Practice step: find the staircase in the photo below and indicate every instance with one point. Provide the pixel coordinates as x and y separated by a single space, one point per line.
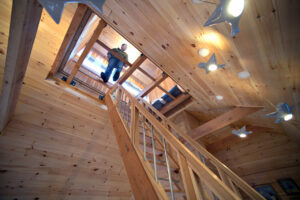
177 166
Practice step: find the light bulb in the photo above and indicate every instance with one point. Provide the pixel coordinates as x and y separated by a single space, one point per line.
235 7
212 67
288 117
243 135
219 97
203 52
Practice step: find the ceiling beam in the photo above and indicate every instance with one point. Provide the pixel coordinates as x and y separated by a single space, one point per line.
153 85
74 31
233 139
169 106
153 79
134 66
179 108
222 121
25 18
87 49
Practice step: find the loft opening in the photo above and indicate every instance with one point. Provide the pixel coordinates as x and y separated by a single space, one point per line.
83 56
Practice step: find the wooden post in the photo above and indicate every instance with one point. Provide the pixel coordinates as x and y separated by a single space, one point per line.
186 177
197 185
76 27
134 66
87 49
153 85
134 126
25 19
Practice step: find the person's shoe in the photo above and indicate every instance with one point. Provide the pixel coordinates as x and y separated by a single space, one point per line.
116 76
104 78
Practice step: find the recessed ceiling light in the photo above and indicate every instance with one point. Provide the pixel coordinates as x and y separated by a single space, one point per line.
236 7
203 52
219 97
244 74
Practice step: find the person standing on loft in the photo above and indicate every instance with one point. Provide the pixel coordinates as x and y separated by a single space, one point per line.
114 62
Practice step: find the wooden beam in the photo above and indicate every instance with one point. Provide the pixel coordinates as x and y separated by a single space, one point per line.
222 121
25 19
186 177
179 108
153 79
231 139
113 53
154 84
140 184
169 106
76 27
134 66
87 49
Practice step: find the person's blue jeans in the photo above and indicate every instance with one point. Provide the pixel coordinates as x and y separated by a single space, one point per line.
113 63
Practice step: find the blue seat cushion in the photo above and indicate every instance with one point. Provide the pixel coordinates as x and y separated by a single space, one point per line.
175 91
157 104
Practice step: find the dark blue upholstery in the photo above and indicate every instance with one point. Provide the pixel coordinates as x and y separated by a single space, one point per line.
157 104
175 91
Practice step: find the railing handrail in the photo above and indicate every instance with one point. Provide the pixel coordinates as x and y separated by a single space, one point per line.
235 178
211 180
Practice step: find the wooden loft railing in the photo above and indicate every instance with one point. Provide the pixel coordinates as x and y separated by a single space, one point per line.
202 175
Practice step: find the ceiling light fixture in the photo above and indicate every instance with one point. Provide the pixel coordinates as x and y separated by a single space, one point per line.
229 11
55 7
242 132
283 113
244 74
235 7
288 117
219 97
211 65
203 52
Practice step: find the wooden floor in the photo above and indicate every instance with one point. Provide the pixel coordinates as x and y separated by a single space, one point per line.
60 145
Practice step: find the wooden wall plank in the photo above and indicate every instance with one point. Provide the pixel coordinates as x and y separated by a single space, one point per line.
25 19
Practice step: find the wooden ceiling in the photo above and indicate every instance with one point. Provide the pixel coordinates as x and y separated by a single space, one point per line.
171 32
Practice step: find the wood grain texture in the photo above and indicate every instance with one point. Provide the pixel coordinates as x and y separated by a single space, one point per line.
87 49
222 121
25 17
140 183
59 144
81 16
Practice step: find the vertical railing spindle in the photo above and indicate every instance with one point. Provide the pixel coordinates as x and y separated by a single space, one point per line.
144 138
153 150
168 169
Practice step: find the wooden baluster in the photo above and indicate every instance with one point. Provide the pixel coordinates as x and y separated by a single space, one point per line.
234 188
197 185
186 177
223 176
134 125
